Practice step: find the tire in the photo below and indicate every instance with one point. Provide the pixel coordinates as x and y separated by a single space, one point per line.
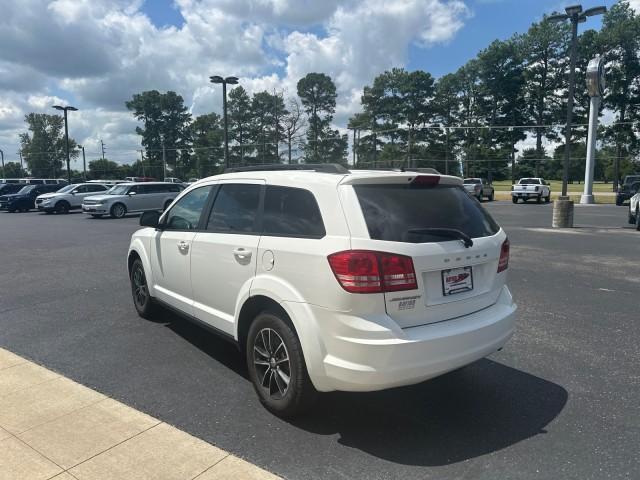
638 219
63 207
11 210
514 199
118 210
96 215
547 199
143 302
479 197
492 196
273 353
539 199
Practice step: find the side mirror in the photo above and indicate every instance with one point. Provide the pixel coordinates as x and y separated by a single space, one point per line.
150 218
131 193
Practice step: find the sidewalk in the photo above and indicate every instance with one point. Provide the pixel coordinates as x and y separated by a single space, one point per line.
54 428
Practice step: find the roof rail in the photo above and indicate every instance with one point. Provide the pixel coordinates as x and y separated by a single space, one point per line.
317 167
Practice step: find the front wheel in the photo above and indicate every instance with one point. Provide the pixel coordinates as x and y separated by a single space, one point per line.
539 199
118 211
140 290
276 366
62 207
492 196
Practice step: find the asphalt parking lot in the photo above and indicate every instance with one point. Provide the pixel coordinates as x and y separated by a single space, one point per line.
562 400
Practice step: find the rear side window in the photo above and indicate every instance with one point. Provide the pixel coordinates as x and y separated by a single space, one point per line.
235 209
392 211
291 212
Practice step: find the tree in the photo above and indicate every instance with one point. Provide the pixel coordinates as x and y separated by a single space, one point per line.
446 107
318 95
12 170
165 120
545 58
239 117
99 168
208 136
292 123
43 146
266 129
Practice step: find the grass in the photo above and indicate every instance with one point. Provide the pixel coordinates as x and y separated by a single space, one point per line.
556 186
506 195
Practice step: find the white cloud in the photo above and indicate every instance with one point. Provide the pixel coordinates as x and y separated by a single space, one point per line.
635 4
97 53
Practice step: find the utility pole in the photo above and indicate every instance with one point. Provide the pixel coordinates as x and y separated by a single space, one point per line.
21 169
142 161
102 145
164 161
2 154
275 126
595 85
224 82
66 135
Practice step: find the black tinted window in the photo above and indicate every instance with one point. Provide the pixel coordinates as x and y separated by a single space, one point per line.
391 211
185 214
235 209
96 188
291 212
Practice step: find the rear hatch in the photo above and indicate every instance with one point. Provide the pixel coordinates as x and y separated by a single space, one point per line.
453 242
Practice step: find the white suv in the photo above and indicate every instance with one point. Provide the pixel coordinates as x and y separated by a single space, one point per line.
68 198
353 281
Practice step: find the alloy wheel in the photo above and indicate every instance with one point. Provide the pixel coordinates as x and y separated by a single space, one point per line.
272 364
140 291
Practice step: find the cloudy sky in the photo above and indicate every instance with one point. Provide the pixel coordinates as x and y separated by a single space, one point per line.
94 54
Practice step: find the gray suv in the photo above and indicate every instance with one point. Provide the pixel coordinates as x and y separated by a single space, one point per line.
132 198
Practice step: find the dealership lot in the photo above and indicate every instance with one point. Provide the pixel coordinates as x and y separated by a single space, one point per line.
561 400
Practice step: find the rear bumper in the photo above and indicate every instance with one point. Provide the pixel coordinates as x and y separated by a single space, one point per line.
363 354
526 194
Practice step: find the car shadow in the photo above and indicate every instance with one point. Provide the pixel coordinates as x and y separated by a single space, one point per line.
474 411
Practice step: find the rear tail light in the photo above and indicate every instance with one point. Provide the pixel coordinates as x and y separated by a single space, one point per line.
503 263
365 271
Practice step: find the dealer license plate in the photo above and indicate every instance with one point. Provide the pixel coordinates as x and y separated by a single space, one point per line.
457 280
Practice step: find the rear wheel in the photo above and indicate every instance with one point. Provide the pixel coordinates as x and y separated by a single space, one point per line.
539 199
118 210
277 367
514 199
140 290
492 196
638 219
547 199
62 207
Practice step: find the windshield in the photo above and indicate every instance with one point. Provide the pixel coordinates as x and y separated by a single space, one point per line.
66 189
469 181
530 181
26 189
631 179
119 190
406 213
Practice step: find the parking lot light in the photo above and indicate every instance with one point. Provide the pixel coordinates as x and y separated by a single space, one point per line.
224 82
66 134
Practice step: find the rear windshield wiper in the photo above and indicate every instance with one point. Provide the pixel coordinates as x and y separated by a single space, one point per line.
445 232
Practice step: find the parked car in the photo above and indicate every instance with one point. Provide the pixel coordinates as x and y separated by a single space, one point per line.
531 188
68 198
24 199
624 192
634 206
479 188
132 198
8 188
140 179
173 180
353 281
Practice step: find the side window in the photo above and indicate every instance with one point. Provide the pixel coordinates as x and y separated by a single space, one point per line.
235 209
81 189
141 189
185 214
96 188
291 212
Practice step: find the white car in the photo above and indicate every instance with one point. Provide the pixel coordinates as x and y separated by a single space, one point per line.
353 281
68 198
132 198
531 188
634 208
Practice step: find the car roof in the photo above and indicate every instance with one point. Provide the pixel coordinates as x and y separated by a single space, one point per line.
297 178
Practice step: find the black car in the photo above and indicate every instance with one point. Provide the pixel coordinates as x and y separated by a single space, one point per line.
625 191
24 199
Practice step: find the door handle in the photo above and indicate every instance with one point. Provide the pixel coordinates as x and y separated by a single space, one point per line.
242 254
183 246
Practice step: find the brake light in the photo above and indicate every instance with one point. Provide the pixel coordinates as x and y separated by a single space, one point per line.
365 271
427 180
503 263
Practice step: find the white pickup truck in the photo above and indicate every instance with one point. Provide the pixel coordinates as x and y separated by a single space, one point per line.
528 188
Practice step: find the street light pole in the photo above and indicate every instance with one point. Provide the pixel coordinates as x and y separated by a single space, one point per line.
2 154
66 135
575 15
224 82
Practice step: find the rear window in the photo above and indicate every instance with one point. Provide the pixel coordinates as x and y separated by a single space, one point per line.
530 181
392 211
470 181
292 212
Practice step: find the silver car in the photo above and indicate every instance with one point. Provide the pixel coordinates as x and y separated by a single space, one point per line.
132 198
479 188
